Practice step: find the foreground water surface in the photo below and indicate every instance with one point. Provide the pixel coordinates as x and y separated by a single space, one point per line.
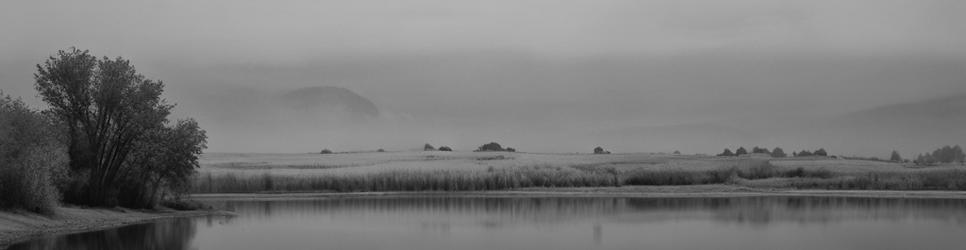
441 222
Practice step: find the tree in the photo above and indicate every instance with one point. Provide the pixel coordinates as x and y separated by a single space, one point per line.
325 151
109 110
820 152
895 156
428 147
509 149
727 152
445 148
676 152
166 163
778 153
757 150
804 153
741 151
600 150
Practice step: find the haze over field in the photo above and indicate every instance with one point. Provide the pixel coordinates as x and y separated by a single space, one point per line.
855 77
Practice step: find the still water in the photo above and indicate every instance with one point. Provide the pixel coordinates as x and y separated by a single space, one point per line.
440 222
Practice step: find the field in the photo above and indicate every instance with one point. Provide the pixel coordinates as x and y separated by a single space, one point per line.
480 171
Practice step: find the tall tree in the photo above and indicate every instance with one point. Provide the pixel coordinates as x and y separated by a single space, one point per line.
108 107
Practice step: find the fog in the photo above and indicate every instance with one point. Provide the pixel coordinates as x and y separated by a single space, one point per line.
540 76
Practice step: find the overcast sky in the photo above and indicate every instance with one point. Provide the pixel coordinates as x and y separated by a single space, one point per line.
514 65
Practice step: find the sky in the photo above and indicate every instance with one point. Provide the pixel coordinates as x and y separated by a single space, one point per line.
546 75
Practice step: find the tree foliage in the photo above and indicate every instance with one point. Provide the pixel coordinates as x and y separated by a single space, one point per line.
895 156
778 153
112 113
727 152
741 151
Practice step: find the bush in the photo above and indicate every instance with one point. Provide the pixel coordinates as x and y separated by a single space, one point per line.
33 159
445 148
325 151
493 146
600 151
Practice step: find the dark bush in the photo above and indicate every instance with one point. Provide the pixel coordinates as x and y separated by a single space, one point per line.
325 151
727 152
445 148
428 147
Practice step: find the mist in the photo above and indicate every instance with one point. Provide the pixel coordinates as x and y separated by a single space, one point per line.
541 76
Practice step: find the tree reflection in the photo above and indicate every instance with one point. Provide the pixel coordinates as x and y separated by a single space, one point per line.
169 234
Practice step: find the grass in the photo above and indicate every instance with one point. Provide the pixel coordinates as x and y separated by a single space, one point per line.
463 171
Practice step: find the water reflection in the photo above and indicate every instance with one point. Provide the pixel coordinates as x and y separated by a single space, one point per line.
442 222
166 234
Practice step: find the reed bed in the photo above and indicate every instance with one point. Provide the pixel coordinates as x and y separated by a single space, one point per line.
435 176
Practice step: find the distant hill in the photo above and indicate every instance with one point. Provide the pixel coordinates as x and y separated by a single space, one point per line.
314 99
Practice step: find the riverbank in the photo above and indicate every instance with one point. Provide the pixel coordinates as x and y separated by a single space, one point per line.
625 191
21 226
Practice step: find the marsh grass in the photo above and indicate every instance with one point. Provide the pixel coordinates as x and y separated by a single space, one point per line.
749 172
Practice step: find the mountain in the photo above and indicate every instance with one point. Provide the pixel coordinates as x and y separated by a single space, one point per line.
315 99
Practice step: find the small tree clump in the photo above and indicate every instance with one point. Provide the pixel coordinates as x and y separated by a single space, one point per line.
600 151
741 151
778 153
428 147
509 149
895 156
820 152
325 151
493 146
727 152
445 148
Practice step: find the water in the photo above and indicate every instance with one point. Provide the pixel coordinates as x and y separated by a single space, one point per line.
549 223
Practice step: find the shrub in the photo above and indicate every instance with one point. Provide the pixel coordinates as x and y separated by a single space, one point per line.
428 147
778 153
325 151
33 158
509 149
727 152
445 148
380 150
741 151
493 146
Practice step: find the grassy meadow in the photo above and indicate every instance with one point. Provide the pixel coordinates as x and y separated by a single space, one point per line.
481 171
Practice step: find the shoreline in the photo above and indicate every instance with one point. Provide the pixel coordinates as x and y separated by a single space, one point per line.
19 226
694 191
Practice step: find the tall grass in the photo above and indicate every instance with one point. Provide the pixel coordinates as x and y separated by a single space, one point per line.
746 172
407 180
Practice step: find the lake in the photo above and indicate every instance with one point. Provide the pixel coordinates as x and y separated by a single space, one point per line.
453 222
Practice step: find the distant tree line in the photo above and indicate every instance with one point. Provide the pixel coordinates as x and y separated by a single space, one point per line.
945 154
777 152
